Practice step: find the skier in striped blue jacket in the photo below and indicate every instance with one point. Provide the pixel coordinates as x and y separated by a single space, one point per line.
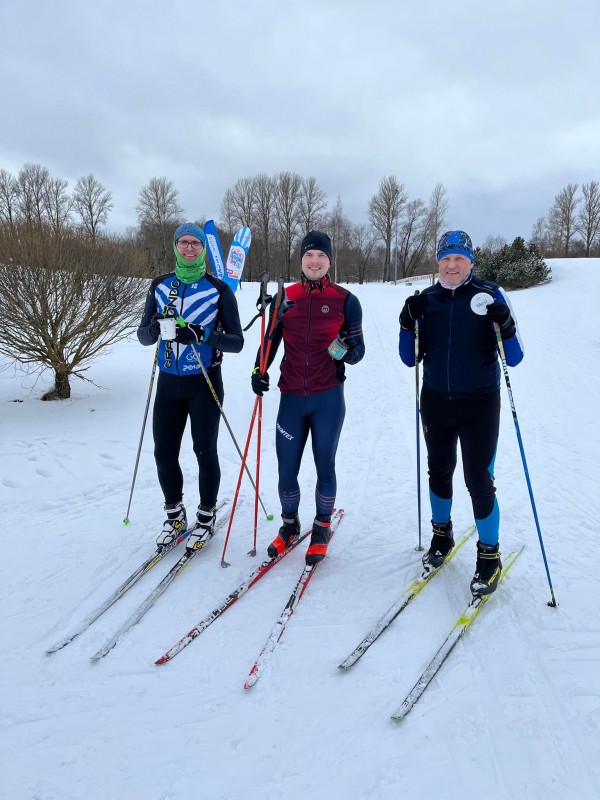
208 325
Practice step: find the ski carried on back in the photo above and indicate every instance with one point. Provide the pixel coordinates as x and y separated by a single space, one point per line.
175 570
241 590
295 597
145 567
460 627
398 607
231 270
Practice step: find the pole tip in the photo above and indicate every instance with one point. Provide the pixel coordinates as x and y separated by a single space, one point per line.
126 521
270 517
224 563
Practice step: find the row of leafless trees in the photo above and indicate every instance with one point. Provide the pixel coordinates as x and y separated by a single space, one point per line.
280 209
571 227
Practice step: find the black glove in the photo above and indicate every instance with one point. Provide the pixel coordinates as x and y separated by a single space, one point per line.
154 326
191 334
414 307
500 313
260 383
351 356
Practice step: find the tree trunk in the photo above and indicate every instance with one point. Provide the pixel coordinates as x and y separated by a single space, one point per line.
61 389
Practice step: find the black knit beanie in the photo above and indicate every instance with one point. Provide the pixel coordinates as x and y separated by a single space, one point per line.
315 240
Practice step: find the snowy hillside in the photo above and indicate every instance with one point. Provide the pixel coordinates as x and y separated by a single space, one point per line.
513 715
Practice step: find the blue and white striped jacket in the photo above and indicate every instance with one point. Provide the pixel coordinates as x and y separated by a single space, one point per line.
208 302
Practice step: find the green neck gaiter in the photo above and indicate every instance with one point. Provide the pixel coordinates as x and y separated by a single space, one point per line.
190 271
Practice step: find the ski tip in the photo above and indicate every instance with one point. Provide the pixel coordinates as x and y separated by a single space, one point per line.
99 655
161 660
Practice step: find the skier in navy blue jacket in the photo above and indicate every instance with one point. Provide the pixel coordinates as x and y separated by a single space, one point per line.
460 398
208 325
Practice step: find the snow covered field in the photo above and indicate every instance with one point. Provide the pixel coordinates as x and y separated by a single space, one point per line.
515 712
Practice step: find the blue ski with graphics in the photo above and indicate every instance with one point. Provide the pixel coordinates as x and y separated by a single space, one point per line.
231 270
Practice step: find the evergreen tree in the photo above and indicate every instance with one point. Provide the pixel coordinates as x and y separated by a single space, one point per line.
514 266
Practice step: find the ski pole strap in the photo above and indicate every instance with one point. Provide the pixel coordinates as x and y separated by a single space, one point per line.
263 299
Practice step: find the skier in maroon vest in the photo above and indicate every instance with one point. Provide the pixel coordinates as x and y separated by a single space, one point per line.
321 332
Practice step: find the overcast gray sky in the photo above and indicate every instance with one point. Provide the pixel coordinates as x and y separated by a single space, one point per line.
498 101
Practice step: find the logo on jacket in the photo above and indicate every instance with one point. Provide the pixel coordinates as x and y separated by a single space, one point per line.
480 302
325 309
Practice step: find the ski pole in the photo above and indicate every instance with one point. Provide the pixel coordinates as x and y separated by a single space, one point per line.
418 430
239 483
282 304
261 305
552 603
217 401
137 460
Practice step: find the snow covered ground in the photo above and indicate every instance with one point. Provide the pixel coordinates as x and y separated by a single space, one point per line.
514 713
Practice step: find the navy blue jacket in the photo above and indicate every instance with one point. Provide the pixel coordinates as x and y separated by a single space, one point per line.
457 346
208 302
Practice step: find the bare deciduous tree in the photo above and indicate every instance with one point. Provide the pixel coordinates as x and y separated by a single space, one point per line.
9 195
384 209
237 207
93 203
32 182
414 237
60 316
363 240
493 243
57 204
287 211
313 206
561 219
158 211
438 207
339 229
539 234
588 221
264 212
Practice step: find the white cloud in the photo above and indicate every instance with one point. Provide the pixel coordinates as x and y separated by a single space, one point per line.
494 102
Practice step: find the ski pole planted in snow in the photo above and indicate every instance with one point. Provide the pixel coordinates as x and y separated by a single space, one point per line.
418 429
226 421
552 603
137 460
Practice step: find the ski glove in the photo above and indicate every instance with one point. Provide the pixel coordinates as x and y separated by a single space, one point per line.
154 326
353 355
260 383
191 334
500 313
414 307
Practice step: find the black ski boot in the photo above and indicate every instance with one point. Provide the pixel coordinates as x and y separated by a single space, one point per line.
321 533
487 570
174 525
204 527
288 533
442 543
